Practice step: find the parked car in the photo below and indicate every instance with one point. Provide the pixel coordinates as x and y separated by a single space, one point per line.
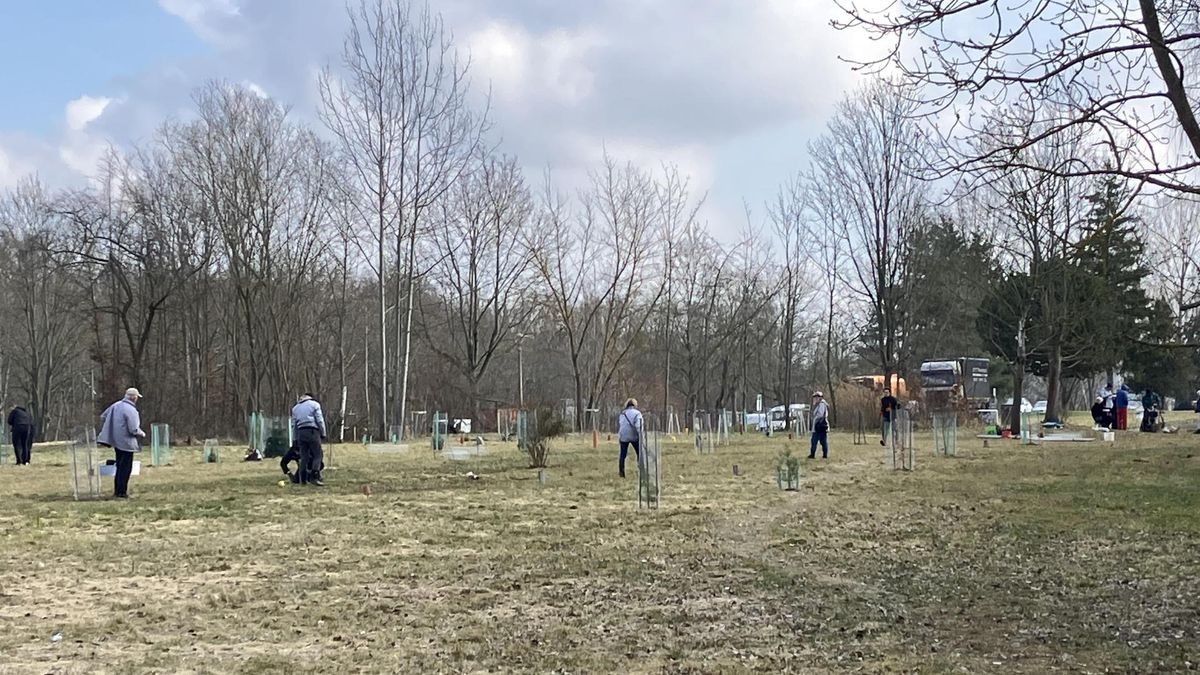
1026 406
1039 407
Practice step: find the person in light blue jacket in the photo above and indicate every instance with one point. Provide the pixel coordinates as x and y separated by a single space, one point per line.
309 424
120 429
629 432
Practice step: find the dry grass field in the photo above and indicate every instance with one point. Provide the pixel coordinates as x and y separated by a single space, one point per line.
1081 557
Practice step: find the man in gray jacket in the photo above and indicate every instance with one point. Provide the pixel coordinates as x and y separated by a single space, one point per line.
309 425
820 426
120 429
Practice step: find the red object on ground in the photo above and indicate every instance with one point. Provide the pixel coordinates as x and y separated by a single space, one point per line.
1006 433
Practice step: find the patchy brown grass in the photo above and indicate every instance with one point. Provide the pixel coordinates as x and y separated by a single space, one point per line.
1073 557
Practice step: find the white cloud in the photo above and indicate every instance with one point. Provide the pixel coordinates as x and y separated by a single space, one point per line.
500 52
207 18
22 156
700 84
81 148
84 110
518 64
671 81
83 154
255 89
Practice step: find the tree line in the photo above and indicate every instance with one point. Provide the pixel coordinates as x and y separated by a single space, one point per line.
394 259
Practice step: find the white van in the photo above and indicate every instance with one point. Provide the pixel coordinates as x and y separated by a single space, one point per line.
775 417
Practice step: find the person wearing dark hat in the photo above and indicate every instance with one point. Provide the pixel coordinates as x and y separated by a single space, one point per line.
120 429
20 424
629 432
820 426
309 424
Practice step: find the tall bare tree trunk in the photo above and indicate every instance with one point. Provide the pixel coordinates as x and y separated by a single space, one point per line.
831 393
1054 397
408 323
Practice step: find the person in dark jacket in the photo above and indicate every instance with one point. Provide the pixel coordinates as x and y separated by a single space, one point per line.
294 455
20 424
888 405
1101 415
1150 403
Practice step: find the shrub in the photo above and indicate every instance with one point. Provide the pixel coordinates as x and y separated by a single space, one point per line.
787 470
548 425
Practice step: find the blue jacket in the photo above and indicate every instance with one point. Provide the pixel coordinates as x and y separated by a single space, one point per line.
307 415
629 425
120 426
1122 398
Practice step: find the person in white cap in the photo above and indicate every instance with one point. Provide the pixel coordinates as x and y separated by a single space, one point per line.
820 426
120 429
309 423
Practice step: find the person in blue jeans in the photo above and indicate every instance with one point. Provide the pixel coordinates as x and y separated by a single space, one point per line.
820 426
629 432
120 429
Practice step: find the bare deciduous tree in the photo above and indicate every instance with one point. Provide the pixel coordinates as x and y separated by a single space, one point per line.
481 274
1112 71
867 193
600 269
405 124
42 337
1175 240
266 185
788 216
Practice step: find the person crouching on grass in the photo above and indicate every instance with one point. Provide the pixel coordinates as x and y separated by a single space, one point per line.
629 432
294 455
820 426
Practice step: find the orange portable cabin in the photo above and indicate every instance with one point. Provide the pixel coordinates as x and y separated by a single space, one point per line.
875 383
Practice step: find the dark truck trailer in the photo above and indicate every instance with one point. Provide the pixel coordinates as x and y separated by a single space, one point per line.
963 379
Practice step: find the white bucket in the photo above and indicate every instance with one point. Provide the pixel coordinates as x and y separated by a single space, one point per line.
110 470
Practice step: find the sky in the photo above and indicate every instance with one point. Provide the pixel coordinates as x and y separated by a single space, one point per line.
730 91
